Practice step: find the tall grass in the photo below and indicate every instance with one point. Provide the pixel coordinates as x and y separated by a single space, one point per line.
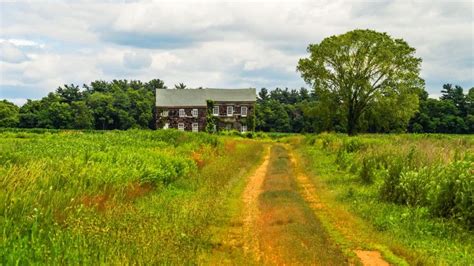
418 187
436 172
113 197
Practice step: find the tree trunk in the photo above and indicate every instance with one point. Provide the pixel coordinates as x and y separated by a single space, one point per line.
351 121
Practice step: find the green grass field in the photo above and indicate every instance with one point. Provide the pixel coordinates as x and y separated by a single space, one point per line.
415 190
165 197
114 197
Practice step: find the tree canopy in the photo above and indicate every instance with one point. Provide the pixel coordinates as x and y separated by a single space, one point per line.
452 113
363 71
127 104
9 116
180 86
119 104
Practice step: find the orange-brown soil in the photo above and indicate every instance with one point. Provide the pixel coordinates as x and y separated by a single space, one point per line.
371 258
278 224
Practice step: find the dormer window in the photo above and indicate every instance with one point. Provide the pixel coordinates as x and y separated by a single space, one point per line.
195 112
243 111
230 110
182 113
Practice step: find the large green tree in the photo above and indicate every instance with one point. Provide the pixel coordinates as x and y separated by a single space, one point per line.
363 69
9 114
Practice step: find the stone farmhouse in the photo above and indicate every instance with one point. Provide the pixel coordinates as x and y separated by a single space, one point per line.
206 109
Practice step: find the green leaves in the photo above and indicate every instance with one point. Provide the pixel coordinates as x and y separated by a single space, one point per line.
8 114
120 104
211 123
359 69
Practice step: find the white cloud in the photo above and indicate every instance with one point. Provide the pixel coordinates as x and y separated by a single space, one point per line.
22 42
137 60
17 101
216 43
10 53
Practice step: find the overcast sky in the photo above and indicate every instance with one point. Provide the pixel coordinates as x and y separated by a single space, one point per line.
233 44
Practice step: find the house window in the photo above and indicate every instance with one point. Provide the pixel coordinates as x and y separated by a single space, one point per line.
243 129
215 110
195 127
166 126
194 112
182 113
243 111
230 110
164 113
181 126
228 126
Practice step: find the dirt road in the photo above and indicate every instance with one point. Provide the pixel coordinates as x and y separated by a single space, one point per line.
277 224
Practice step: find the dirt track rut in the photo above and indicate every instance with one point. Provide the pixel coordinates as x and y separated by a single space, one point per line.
278 224
278 221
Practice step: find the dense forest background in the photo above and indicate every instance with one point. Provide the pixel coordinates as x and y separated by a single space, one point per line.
123 104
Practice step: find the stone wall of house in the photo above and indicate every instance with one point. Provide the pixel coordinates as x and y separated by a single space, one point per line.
236 120
224 122
173 118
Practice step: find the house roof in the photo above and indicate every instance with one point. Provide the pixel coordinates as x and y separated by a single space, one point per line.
199 97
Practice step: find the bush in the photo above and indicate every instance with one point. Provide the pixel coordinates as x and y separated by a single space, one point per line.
452 194
367 171
343 159
389 190
447 190
413 187
352 145
167 170
330 142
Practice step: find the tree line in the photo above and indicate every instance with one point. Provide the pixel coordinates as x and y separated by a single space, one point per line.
302 111
452 113
123 104
119 104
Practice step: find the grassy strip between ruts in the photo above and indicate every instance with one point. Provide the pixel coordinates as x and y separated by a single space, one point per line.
290 232
72 197
355 211
285 228
227 239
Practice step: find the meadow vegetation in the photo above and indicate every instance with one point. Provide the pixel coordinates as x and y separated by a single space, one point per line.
141 196
416 189
114 197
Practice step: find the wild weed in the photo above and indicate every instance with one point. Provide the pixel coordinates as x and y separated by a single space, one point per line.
114 197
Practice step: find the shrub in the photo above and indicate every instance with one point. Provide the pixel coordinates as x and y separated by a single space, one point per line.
389 190
367 171
327 141
343 159
310 140
167 169
453 193
261 135
413 187
352 145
